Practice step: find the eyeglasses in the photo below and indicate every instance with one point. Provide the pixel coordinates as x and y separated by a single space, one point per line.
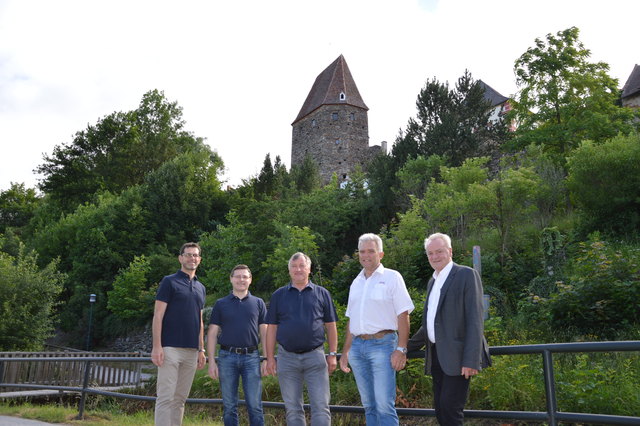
193 255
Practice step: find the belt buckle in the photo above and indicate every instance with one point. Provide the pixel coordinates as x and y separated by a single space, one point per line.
241 351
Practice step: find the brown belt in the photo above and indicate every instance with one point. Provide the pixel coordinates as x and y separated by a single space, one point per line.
377 335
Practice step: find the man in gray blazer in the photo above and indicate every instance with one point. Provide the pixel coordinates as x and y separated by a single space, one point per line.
452 329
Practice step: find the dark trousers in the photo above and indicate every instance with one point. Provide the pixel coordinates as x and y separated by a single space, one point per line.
449 392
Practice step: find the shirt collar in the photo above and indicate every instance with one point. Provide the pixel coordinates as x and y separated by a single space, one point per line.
184 275
309 285
379 270
444 271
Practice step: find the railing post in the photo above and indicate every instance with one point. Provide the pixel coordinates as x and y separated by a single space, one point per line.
85 385
549 386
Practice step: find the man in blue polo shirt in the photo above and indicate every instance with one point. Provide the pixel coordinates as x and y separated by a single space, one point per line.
178 336
238 324
298 316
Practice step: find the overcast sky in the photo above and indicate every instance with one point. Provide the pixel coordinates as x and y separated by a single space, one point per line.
241 70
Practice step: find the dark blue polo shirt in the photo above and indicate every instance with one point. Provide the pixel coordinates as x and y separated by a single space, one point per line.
300 316
185 301
239 320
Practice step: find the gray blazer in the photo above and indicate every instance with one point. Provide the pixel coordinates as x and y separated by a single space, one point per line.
459 324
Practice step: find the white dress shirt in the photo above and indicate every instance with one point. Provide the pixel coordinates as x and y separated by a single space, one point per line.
375 302
434 298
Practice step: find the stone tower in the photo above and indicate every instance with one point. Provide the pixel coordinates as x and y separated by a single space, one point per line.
332 125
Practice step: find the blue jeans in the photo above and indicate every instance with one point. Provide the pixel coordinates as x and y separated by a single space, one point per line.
231 367
370 361
294 370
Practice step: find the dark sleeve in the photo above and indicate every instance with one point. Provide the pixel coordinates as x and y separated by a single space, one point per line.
474 321
272 312
165 291
216 316
262 311
418 340
330 314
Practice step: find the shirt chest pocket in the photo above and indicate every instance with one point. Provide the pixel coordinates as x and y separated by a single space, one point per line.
379 291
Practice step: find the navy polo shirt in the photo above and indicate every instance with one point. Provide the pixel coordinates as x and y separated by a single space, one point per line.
239 320
185 300
300 316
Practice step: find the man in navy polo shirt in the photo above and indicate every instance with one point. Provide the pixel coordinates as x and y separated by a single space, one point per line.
298 315
238 324
178 336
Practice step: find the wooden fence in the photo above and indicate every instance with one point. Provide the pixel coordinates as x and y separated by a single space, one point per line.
70 373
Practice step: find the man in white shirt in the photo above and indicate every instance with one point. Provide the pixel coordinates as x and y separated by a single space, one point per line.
452 329
377 332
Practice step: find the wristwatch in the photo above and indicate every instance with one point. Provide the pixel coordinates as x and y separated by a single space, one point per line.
333 353
401 349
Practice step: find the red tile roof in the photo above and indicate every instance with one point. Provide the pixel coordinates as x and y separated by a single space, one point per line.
329 84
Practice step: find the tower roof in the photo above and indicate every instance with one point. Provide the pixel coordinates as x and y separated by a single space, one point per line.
491 95
333 86
632 86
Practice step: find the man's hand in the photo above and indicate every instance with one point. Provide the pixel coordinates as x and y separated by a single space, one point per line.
398 360
468 372
332 363
202 360
272 368
263 368
157 356
213 370
344 362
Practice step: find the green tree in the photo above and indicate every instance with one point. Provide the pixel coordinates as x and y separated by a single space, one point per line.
17 205
454 123
132 297
28 295
287 241
563 98
604 182
117 152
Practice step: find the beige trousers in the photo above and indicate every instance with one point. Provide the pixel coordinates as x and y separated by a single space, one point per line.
175 377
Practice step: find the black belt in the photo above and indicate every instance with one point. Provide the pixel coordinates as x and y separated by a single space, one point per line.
241 351
304 351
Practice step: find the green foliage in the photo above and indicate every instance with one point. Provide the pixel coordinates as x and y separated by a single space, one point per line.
17 205
223 249
453 123
28 295
601 297
117 152
287 241
564 98
605 183
132 297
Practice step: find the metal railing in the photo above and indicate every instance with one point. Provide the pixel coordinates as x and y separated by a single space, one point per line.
551 416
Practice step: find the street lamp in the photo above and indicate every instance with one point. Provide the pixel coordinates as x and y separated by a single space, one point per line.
92 300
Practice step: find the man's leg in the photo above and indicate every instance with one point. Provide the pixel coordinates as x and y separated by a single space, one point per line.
229 372
384 378
361 367
252 385
450 394
188 362
166 387
316 377
290 378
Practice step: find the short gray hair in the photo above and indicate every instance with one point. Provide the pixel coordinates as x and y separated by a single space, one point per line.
299 255
437 235
370 237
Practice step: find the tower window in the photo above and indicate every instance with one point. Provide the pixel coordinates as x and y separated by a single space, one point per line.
337 141
352 116
342 96
313 123
334 116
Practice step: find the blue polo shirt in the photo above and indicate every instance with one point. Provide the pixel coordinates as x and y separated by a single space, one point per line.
239 320
185 300
300 316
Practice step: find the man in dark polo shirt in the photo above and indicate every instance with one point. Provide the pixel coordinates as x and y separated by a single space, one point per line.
178 336
298 315
238 324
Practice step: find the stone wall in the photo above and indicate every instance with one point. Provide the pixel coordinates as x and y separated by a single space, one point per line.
336 137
